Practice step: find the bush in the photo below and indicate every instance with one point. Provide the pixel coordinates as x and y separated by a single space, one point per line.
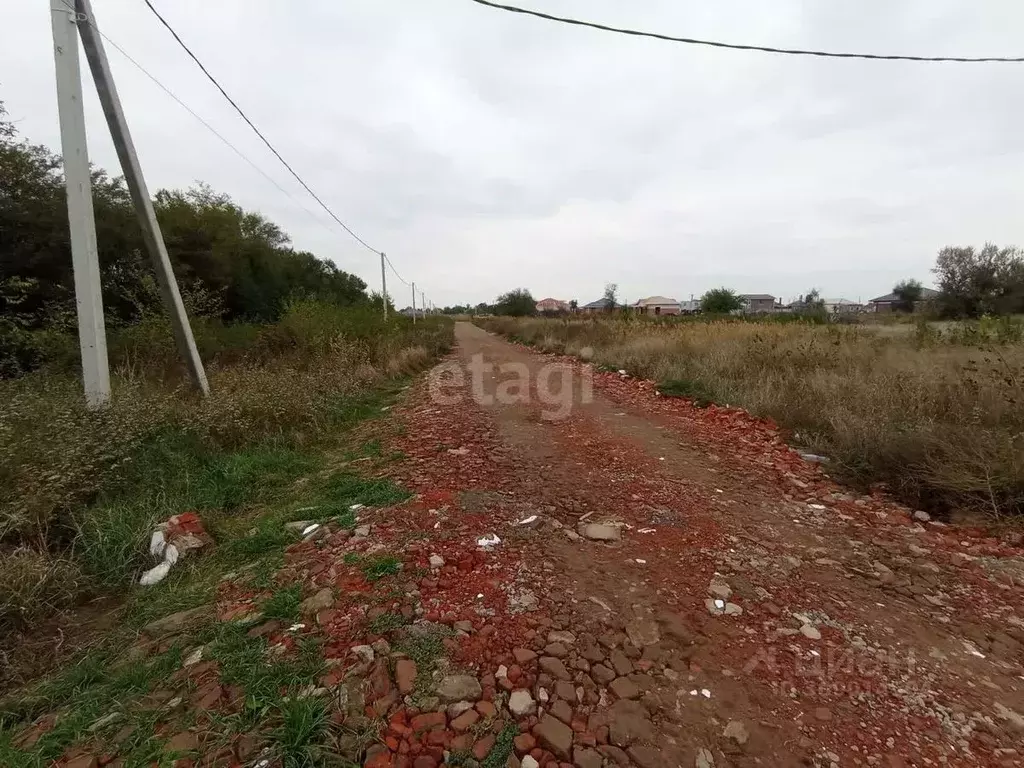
19 350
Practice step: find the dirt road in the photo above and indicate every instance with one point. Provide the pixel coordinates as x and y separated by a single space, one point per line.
586 575
746 610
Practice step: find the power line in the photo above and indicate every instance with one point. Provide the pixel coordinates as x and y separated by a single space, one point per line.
82 18
740 47
245 117
198 117
395 271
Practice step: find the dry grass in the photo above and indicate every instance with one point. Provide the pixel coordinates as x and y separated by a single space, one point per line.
935 414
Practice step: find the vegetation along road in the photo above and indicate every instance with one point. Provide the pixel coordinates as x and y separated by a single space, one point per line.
579 573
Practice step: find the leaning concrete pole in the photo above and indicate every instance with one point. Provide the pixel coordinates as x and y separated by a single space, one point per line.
111 103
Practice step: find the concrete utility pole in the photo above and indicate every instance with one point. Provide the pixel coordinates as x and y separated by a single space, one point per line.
414 303
423 303
384 285
132 170
92 337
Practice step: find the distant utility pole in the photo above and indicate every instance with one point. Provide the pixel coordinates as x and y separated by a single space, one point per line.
414 303
92 337
132 169
423 301
384 284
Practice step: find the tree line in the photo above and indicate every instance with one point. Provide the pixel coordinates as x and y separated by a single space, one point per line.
971 283
231 264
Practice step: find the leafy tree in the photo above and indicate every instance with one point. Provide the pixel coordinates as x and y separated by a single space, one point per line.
973 282
517 303
720 301
812 302
574 305
812 306
229 262
908 293
610 293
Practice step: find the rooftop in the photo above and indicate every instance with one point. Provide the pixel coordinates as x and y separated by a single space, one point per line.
926 293
651 301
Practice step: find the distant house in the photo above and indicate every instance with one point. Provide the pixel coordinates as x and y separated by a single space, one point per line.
657 305
689 306
758 303
601 305
842 306
552 305
891 302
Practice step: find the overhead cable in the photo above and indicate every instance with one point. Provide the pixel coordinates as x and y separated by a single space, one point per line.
746 47
395 270
131 60
252 125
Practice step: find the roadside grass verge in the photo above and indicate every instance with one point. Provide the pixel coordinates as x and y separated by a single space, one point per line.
99 700
252 494
934 412
80 489
95 688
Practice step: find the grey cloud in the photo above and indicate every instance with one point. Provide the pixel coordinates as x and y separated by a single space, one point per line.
484 151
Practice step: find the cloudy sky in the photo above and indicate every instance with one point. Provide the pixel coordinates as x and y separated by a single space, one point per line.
483 150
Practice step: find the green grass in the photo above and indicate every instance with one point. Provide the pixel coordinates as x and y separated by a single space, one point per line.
267 680
94 688
176 476
345 410
263 572
386 622
301 733
261 472
283 604
502 749
345 489
425 648
253 549
697 391
380 566
267 536
368 450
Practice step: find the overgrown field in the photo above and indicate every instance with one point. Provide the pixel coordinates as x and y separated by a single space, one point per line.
80 491
937 415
